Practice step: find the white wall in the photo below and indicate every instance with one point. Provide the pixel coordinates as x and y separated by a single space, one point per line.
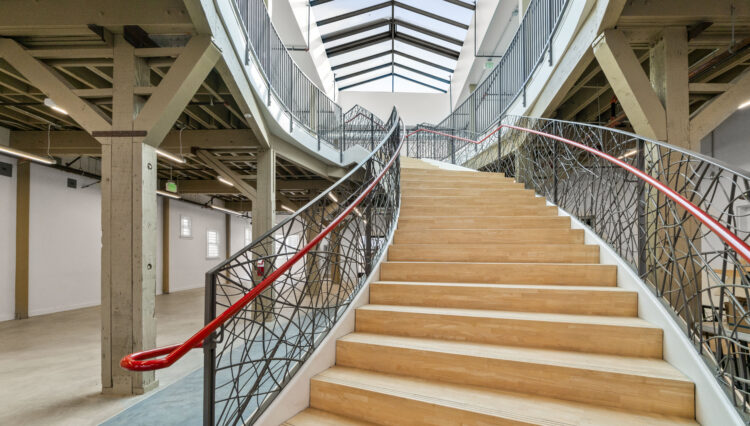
8 241
64 242
730 142
414 108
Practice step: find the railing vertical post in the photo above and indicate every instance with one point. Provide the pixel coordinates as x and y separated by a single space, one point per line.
641 209
343 138
523 59
453 149
209 355
317 114
499 149
368 225
550 26
372 132
554 174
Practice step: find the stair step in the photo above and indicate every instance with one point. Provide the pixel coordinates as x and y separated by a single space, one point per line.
640 384
391 399
500 273
489 236
576 300
313 417
483 222
466 191
519 198
526 253
451 173
582 333
427 183
456 210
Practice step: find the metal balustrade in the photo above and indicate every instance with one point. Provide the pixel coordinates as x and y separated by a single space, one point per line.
261 346
700 271
304 102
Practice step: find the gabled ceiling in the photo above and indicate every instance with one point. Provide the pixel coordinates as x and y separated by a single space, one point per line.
393 45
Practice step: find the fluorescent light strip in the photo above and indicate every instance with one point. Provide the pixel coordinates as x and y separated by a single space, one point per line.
744 105
224 181
356 210
289 209
333 197
168 194
628 154
222 209
26 155
170 156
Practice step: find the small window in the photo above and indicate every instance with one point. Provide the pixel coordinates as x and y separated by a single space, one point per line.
248 235
212 245
186 227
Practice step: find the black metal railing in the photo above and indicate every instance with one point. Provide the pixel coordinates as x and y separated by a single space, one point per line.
305 103
702 279
261 347
508 79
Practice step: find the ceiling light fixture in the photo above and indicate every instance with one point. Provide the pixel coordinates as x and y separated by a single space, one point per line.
628 154
174 158
168 194
333 197
225 210
50 103
224 181
26 155
744 105
289 209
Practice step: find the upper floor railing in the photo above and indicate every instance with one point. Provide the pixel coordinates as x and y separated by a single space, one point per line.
679 219
508 79
305 103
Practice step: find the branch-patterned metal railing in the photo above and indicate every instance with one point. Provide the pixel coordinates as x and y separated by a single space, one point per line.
702 277
259 349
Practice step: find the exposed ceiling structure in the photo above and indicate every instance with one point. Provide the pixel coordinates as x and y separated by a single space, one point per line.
412 41
211 137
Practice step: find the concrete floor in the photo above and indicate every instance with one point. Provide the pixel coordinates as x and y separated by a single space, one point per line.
50 364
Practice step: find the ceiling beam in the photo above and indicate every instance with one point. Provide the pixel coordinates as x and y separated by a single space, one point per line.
358 44
366 81
354 13
79 142
419 82
430 15
365 71
360 60
350 31
426 74
462 4
423 61
429 32
426 45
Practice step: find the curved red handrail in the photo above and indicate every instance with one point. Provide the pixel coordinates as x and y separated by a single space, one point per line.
142 361
737 244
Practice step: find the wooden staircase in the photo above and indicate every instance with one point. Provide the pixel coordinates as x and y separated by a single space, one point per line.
491 310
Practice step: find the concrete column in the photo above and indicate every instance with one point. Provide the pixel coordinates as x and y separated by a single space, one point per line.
128 233
669 77
264 208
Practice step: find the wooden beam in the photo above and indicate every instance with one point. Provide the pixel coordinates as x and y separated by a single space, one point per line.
227 173
668 68
78 142
23 180
165 246
712 113
177 88
54 86
631 84
709 88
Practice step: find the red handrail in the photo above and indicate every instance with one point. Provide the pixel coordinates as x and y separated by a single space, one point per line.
737 244
142 361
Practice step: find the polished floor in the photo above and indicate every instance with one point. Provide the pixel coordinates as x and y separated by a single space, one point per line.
50 368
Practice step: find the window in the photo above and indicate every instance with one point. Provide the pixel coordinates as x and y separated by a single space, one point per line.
248 235
186 227
212 245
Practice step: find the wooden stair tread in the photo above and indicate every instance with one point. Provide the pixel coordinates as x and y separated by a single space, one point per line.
522 316
567 288
313 417
521 408
645 367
